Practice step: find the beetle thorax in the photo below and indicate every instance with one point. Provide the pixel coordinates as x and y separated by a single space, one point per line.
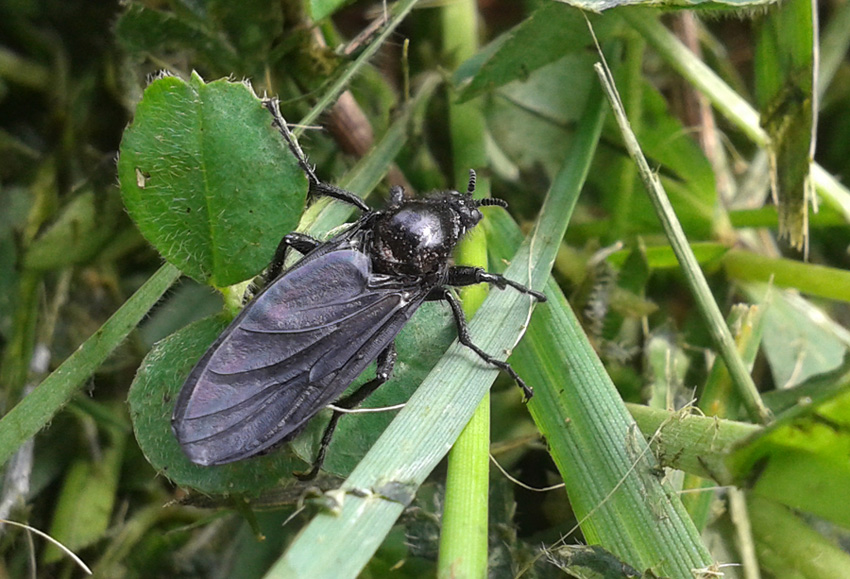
418 237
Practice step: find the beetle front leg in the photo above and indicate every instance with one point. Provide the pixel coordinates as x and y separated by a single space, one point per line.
462 275
386 363
316 186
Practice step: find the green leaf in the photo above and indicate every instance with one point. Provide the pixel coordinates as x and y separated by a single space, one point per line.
552 32
800 340
801 459
189 163
151 400
532 122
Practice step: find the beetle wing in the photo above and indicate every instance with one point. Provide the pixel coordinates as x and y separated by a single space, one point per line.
291 352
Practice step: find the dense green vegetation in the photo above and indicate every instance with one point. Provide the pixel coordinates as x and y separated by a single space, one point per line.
691 390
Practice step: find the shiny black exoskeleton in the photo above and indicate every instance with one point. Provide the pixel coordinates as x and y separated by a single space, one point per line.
299 344
417 237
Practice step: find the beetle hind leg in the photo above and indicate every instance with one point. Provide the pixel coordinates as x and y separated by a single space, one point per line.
386 362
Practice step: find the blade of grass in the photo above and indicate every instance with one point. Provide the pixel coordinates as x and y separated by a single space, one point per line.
817 280
33 412
737 110
720 334
717 399
592 439
605 464
784 64
400 11
697 445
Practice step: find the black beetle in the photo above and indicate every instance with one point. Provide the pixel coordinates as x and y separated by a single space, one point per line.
298 345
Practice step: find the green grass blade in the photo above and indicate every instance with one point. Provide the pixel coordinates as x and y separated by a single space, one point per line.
596 445
600 453
809 278
734 107
464 530
690 267
33 412
400 10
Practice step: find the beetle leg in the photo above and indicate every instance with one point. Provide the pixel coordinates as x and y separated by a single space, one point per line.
441 293
386 362
334 192
300 242
461 275
316 186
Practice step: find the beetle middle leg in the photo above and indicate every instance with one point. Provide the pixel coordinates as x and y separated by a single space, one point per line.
300 242
386 363
441 293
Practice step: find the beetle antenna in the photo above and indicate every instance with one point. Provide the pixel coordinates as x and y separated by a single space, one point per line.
487 201
490 201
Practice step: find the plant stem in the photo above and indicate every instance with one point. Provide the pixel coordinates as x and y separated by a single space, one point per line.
463 539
